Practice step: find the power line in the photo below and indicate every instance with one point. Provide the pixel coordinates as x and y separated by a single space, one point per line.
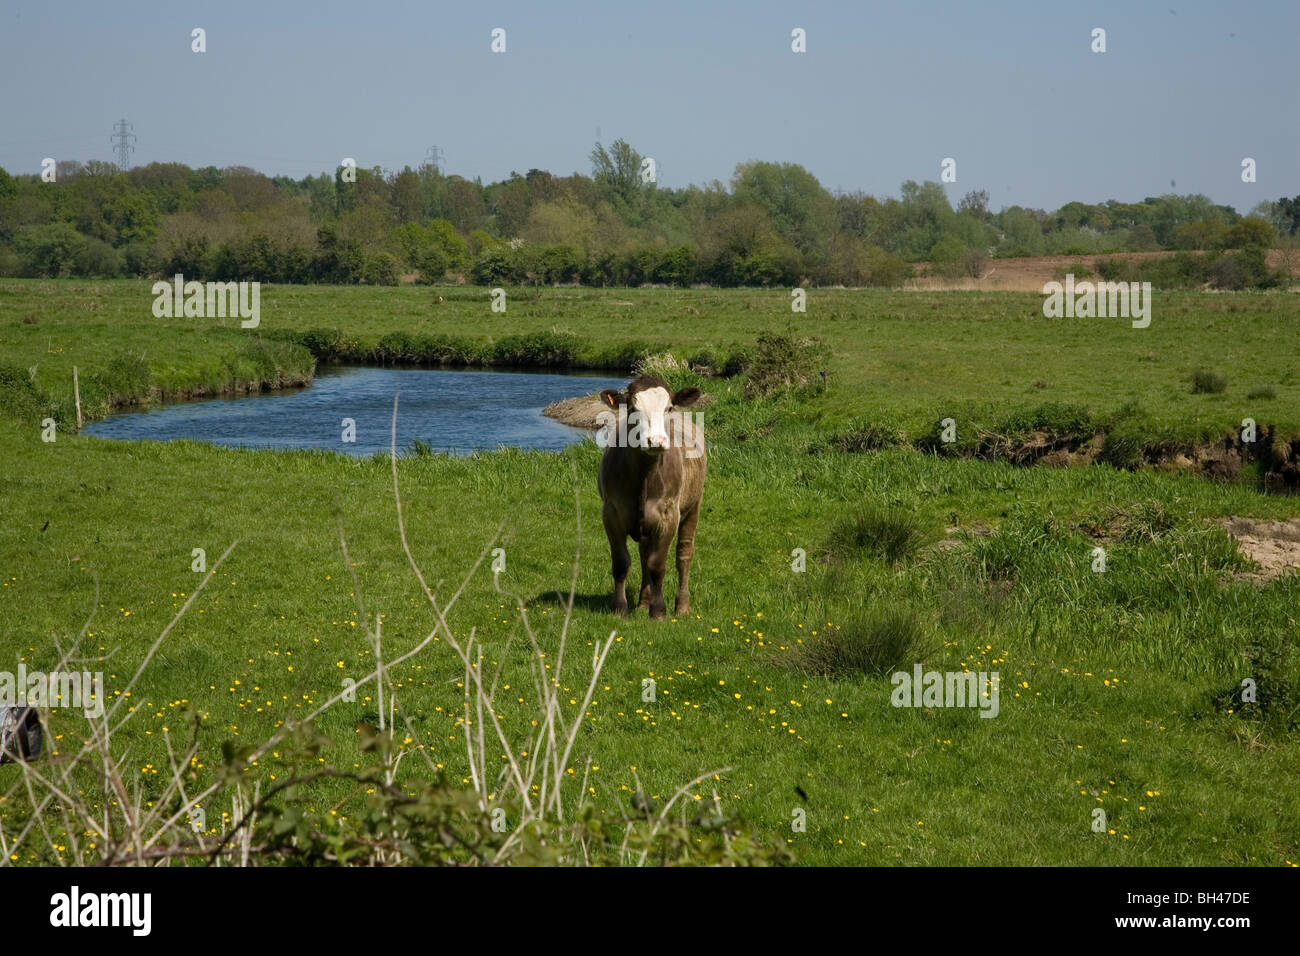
122 139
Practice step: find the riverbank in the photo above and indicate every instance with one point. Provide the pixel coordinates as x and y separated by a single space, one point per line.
903 360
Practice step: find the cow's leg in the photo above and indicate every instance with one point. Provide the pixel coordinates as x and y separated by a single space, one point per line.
644 546
654 557
656 565
621 562
685 551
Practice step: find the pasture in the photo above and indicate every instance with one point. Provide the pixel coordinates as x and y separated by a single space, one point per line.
1117 687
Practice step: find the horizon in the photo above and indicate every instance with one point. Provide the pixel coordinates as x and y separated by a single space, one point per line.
289 97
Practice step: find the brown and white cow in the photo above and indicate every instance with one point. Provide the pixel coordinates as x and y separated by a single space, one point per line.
651 480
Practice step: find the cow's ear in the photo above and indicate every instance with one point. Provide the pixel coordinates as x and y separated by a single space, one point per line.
612 398
684 397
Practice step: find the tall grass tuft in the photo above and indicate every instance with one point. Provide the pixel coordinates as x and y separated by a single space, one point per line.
866 436
783 362
1144 522
1206 381
870 642
676 372
889 534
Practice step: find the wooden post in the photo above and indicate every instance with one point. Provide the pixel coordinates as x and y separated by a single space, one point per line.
76 391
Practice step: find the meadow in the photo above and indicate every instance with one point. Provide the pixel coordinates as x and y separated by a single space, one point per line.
1120 690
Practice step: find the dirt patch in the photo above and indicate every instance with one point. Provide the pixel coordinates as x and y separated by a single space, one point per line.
958 535
1221 460
1273 545
1023 449
1055 451
1029 273
1281 458
1026 274
579 412
1069 457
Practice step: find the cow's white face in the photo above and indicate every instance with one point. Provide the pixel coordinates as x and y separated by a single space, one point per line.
649 417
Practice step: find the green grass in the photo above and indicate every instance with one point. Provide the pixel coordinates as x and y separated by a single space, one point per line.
899 359
1113 684
1208 382
890 535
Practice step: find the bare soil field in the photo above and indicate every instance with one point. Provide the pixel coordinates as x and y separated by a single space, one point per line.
1029 274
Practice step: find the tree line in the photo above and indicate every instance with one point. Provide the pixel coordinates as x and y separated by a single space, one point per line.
772 224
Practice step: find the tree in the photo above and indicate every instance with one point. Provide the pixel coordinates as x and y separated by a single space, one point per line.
433 186
858 215
560 263
406 196
1199 235
945 256
49 251
1289 214
413 240
739 231
133 213
676 267
250 190
1250 231
465 208
338 260
452 245
561 221
1022 233
432 265
926 215
167 183
798 205
772 223
381 269
975 203
618 169
1141 238
1171 210
511 203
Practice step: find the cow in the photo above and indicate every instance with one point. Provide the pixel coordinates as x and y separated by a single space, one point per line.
650 485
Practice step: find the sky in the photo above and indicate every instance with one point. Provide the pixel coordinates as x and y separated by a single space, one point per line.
884 92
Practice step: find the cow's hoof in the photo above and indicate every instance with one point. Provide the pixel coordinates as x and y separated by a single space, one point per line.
659 613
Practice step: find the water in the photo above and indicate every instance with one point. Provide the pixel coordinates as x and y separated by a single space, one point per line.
454 411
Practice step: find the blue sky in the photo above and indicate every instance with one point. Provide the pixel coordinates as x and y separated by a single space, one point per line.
883 94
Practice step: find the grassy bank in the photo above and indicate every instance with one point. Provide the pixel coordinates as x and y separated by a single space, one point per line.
1117 673
1117 687
903 359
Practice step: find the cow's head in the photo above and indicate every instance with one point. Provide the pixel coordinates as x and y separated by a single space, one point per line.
649 405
